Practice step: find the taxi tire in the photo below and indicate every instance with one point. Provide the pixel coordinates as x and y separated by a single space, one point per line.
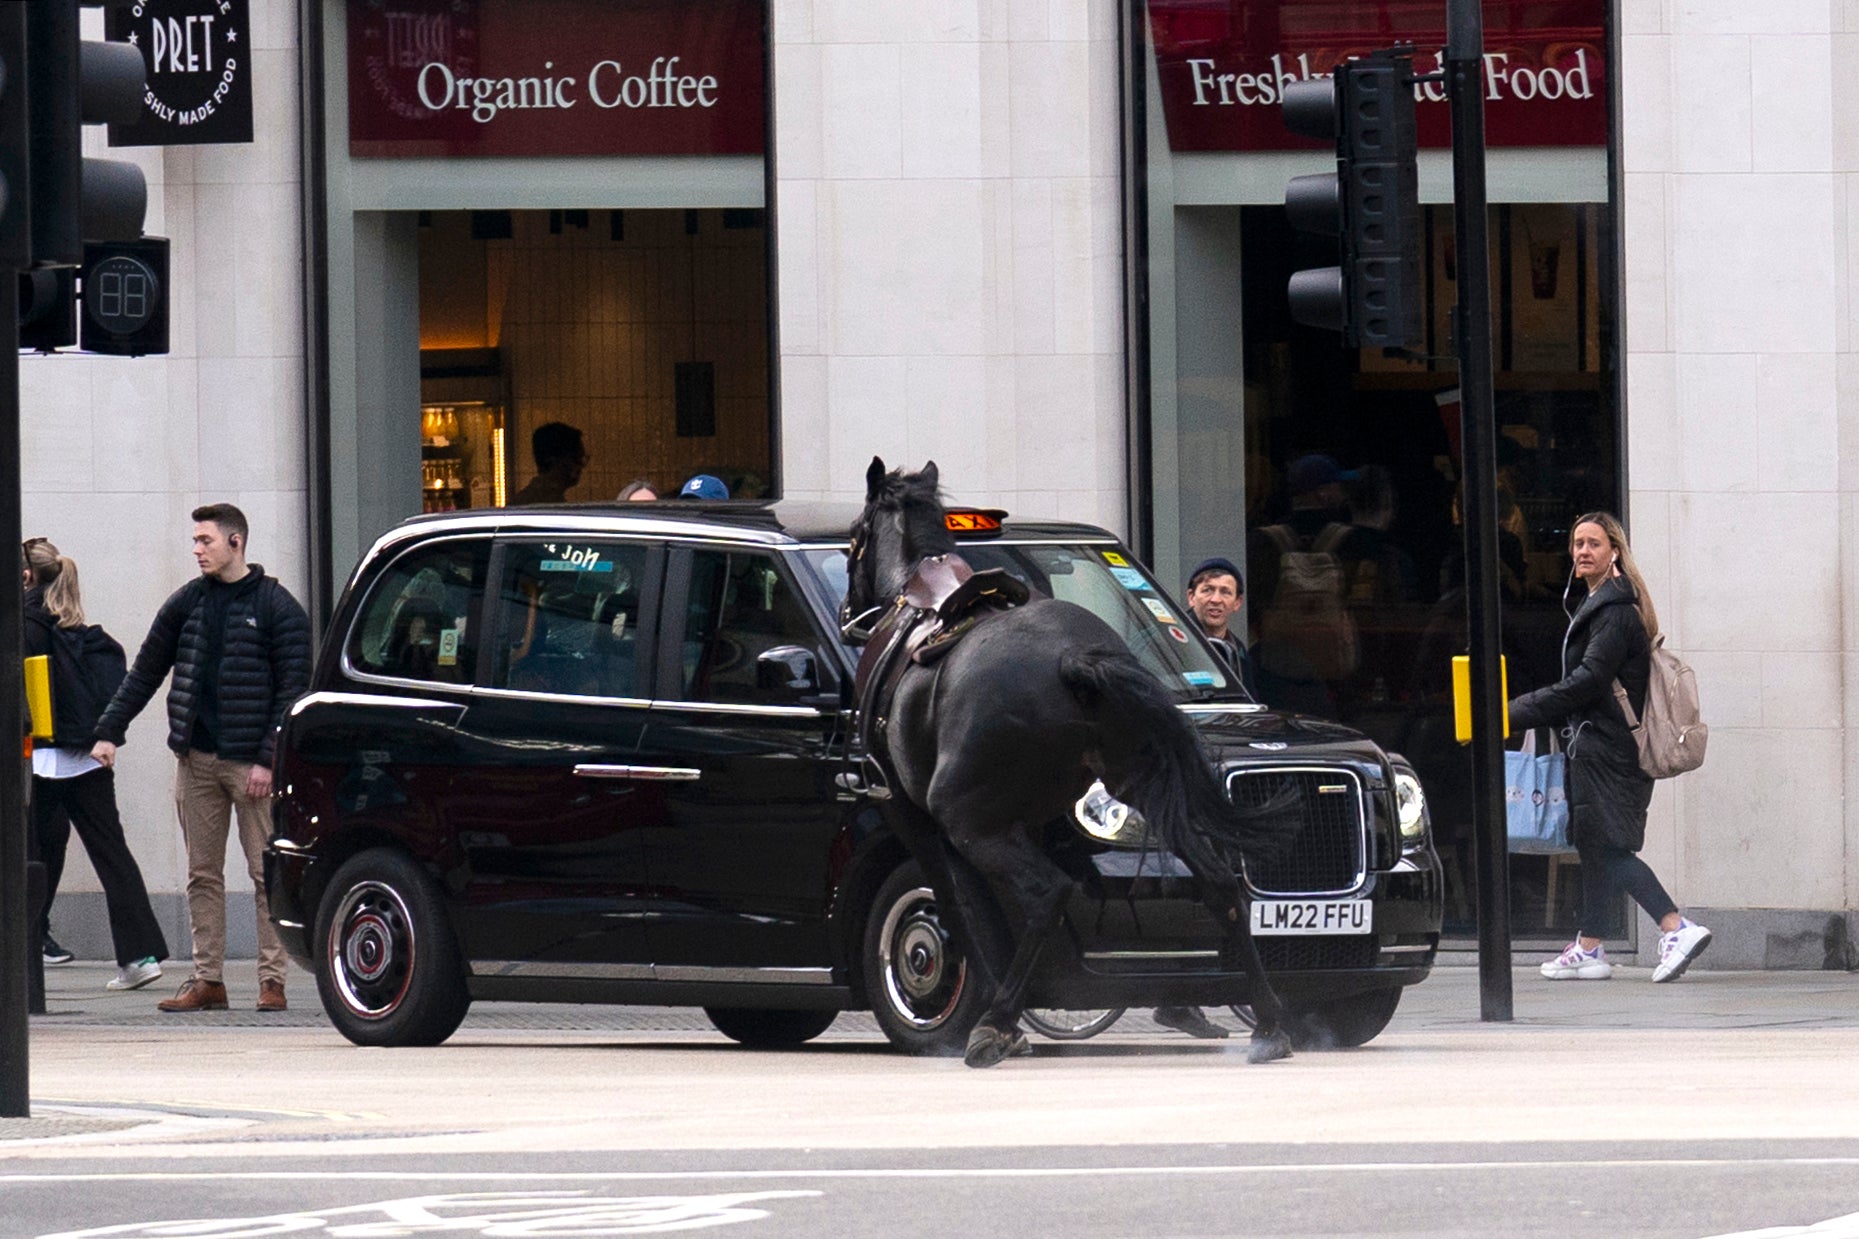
765 1029
935 1020
388 968
1344 1023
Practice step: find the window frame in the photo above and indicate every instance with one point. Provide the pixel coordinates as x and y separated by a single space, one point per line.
651 594
676 605
474 616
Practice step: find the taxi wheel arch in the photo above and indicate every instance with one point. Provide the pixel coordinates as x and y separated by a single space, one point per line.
388 968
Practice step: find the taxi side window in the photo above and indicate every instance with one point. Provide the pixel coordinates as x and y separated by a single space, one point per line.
418 621
740 606
570 618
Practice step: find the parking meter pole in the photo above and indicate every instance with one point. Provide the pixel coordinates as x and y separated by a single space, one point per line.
1465 82
14 1099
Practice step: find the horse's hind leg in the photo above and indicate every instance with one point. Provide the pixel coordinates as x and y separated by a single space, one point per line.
1034 890
966 906
1269 1038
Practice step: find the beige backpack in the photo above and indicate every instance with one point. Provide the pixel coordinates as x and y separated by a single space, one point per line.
1672 735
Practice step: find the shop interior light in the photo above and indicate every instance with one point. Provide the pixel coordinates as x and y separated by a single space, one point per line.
497 474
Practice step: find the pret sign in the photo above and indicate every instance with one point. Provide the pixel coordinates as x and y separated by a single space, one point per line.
556 77
1222 66
199 59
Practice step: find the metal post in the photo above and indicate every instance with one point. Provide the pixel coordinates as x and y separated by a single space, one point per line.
15 1101
1465 39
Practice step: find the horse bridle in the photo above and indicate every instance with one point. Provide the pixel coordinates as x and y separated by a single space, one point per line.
857 628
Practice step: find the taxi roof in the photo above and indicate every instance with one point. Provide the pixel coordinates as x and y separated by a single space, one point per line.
771 522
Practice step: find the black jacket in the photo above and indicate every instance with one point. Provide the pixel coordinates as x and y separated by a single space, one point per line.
1608 792
264 667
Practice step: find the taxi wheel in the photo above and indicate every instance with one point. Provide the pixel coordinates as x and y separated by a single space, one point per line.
1344 1022
387 966
919 985
770 1030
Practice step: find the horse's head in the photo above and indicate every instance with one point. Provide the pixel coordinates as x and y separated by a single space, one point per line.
902 523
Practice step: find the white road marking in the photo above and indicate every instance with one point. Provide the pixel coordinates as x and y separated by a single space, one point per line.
1846 1227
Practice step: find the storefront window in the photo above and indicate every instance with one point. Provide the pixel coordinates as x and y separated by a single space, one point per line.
1336 473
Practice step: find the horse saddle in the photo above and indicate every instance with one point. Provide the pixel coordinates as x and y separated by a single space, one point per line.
943 600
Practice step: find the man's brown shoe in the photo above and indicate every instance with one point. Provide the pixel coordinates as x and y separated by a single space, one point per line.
271 996
196 995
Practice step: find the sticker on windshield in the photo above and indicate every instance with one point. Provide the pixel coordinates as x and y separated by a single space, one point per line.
569 559
448 647
1178 635
1159 611
1129 578
1115 560
1201 679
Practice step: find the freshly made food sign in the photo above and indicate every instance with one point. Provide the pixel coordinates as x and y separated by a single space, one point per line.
1223 67
555 77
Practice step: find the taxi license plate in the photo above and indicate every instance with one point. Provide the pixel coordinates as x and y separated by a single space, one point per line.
1312 916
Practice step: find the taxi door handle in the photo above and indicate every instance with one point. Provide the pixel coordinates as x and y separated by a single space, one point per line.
654 774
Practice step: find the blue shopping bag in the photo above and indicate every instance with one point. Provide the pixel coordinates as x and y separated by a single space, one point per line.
1536 802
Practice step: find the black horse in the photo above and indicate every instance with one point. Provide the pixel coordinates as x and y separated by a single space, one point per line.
1002 734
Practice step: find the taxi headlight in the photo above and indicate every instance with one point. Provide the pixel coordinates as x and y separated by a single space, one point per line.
1103 816
1410 805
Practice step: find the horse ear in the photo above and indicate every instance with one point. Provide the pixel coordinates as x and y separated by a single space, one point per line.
874 477
930 474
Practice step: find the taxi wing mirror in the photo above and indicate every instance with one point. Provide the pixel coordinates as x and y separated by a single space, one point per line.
788 671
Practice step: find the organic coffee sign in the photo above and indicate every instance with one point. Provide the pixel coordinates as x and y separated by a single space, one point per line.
1223 66
198 58
556 77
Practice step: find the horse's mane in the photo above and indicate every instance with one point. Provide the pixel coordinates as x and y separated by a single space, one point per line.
917 499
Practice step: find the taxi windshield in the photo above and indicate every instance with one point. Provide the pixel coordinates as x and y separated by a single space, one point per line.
1105 581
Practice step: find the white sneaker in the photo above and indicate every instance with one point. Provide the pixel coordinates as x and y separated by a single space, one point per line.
134 976
1678 948
1575 964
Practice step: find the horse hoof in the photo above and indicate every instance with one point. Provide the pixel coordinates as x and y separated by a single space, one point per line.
1189 1020
988 1046
1267 1046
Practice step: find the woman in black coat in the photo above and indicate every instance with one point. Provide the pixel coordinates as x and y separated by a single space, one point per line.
1609 639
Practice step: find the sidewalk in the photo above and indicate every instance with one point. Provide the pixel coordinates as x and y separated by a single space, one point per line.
1449 999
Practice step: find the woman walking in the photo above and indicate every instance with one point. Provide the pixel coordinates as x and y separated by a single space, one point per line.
69 786
1609 638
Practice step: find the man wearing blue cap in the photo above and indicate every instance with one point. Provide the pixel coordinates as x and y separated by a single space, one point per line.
703 486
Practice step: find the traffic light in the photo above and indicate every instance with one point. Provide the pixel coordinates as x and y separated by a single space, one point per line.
72 83
47 308
125 297
1371 203
15 139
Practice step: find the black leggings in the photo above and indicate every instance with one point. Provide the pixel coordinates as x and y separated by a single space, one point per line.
1605 873
88 802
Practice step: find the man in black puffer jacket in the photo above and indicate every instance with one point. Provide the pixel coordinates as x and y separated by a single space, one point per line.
239 647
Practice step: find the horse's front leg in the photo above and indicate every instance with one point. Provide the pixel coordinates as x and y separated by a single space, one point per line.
1035 889
1270 1040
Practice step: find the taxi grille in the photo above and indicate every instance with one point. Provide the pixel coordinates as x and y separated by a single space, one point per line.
1311 954
1329 855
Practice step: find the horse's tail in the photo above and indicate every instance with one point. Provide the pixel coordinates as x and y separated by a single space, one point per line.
1154 763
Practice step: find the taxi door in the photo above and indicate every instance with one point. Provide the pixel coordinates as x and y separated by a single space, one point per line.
747 714
552 827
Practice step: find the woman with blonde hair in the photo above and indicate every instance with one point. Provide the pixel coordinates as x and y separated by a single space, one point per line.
69 786
1609 638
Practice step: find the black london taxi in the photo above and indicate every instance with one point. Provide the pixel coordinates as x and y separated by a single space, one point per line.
600 754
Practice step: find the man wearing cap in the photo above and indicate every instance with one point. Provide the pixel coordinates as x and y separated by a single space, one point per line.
703 486
1216 591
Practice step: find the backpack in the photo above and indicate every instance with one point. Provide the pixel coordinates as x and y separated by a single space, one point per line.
1306 630
1671 735
88 666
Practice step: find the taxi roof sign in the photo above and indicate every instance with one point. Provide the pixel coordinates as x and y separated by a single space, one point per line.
974 520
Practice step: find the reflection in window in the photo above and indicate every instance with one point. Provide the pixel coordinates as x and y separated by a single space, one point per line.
740 607
417 621
571 619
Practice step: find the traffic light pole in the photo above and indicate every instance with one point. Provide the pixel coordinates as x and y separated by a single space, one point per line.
15 1101
1465 84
